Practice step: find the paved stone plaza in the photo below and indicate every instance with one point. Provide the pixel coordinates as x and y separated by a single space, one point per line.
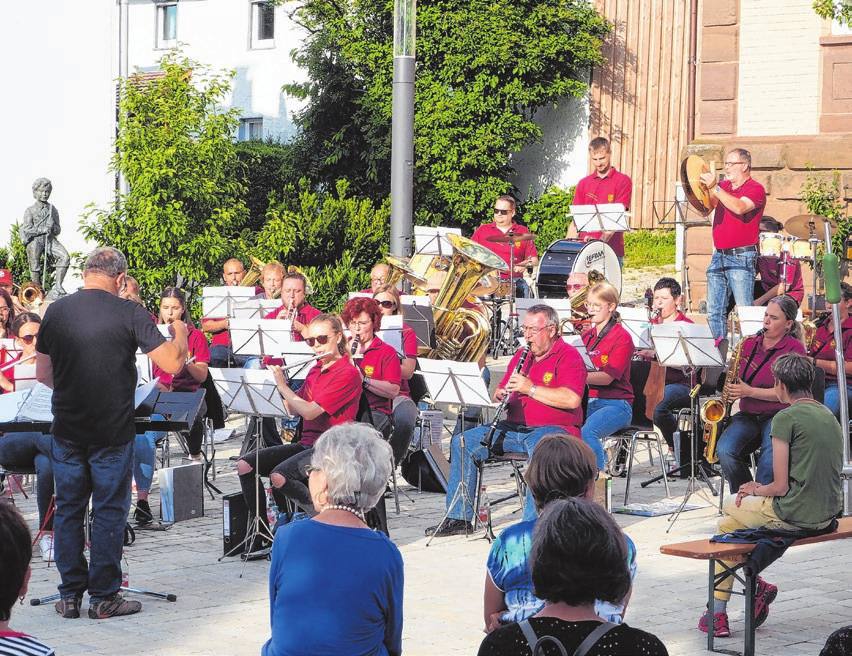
222 608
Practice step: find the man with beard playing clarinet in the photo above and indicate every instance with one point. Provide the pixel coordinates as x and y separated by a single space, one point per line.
545 397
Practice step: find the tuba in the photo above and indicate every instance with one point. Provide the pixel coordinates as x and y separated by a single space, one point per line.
461 334
398 269
31 295
253 275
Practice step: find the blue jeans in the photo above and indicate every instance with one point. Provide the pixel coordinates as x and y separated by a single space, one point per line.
603 418
102 473
665 414
522 289
515 438
832 399
145 458
223 357
728 274
28 451
745 434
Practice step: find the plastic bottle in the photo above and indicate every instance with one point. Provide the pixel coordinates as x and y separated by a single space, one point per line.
271 508
484 507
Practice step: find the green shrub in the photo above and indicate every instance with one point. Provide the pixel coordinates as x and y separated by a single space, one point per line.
644 248
548 216
332 283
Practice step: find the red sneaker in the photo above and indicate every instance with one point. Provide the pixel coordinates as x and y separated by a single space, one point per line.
720 625
764 594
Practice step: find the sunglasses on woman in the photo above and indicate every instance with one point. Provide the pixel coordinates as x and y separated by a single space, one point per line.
387 304
322 339
27 339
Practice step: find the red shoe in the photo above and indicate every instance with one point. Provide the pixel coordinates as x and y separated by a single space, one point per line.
720 625
764 594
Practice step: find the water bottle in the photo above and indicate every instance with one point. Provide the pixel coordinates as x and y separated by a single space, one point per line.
484 507
272 515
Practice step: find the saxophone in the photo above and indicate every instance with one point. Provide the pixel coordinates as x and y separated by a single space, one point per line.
716 413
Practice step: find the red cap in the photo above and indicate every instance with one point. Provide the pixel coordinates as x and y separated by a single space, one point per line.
6 277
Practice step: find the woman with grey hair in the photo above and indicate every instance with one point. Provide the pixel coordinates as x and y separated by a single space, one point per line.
342 581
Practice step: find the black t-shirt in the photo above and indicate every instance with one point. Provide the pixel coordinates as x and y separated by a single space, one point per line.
91 337
623 640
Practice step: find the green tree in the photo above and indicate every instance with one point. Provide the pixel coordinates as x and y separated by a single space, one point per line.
839 10
484 69
175 147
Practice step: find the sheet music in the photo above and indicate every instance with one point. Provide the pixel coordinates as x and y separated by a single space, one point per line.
260 336
391 333
255 308
635 321
10 404
25 376
433 241
682 344
609 217
443 376
37 405
217 302
144 372
249 391
577 342
143 392
298 352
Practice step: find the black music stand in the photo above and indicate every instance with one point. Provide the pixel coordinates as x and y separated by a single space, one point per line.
462 383
682 344
251 392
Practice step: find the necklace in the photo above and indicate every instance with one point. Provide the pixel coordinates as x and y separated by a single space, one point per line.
354 511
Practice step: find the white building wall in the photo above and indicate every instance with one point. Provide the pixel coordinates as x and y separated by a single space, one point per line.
779 52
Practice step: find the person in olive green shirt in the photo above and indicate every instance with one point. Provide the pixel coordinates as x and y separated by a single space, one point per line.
807 459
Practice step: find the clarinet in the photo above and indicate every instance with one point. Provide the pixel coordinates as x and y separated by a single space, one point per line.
354 347
488 440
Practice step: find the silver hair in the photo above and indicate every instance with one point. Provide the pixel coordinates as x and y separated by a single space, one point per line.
356 462
106 260
551 318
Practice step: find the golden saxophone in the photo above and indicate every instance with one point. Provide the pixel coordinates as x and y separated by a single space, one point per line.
716 413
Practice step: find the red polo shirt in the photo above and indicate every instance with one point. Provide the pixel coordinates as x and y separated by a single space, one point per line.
770 275
523 249
380 362
183 380
824 346
615 187
675 375
304 315
409 346
756 370
612 355
732 230
561 366
337 391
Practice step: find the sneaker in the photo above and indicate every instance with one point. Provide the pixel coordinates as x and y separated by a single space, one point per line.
114 606
720 624
45 544
450 527
143 515
260 548
764 594
69 607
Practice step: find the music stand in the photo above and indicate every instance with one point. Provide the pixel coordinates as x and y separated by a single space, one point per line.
417 314
252 392
219 302
682 344
254 308
260 336
577 342
456 382
635 321
605 217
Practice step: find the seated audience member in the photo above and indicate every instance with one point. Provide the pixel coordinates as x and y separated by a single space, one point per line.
838 643
578 555
343 581
31 449
15 554
803 494
543 398
559 468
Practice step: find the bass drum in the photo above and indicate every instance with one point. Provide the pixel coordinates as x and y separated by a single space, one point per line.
565 257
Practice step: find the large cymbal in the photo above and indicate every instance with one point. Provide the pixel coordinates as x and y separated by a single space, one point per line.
515 238
697 194
807 225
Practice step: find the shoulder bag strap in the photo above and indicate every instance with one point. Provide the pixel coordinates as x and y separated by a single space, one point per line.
529 634
593 637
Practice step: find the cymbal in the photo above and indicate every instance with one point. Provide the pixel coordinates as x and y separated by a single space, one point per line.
488 284
515 238
804 225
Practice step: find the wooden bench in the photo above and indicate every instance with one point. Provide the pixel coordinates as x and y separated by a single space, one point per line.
739 553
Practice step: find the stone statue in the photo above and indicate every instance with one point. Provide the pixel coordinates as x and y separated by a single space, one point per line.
38 232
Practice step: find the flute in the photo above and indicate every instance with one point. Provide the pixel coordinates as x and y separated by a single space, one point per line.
488 440
17 362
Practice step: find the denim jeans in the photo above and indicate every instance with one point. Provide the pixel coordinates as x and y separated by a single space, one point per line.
28 451
603 418
522 288
514 438
223 357
145 457
102 473
832 399
728 274
665 414
745 434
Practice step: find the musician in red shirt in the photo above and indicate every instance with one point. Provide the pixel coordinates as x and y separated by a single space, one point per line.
293 291
221 354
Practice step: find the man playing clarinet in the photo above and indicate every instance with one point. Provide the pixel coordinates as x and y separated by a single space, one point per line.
544 397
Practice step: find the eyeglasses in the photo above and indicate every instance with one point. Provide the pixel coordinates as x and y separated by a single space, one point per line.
387 304
727 164
501 212
578 285
378 280
322 339
594 307
360 324
27 339
532 330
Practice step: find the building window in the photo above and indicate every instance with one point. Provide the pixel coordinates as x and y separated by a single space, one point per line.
262 25
250 129
166 25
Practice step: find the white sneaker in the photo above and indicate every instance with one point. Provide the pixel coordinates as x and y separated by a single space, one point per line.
46 546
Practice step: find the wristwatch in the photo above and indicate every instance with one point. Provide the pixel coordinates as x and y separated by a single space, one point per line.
532 390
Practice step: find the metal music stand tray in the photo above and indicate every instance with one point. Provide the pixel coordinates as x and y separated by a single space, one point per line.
220 302
418 315
251 392
682 344
456 382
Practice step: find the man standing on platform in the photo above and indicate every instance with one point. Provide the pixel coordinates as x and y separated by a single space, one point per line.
525 254
87 353
221 354
544 398
604 186
736 226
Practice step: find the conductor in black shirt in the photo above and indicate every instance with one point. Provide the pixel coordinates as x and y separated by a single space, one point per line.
86 352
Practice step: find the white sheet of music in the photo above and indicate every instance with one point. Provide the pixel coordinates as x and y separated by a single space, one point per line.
217 302
38 404
635 321
682 344
25 376
255 308
433 241
465 375
249 391
609 217
260 336
577 342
